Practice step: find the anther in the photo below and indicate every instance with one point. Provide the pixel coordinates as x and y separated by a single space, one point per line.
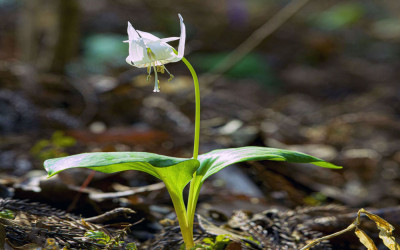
171 76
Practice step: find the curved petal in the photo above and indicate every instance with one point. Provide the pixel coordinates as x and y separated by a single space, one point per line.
181 48
166 40
147 36
132 34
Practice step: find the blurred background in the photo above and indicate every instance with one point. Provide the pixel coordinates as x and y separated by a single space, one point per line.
320 77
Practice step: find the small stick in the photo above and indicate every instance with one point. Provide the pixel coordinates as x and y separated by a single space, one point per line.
327 237
83 186
108 216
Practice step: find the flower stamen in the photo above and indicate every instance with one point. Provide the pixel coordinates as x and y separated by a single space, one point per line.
157 68
148 73
171 76
161 69
150 54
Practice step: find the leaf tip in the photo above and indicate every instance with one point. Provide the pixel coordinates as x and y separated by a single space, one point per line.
47 166
325 164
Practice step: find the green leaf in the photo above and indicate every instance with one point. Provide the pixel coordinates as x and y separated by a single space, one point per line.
214 161
174 172
131 246
98 236
7 214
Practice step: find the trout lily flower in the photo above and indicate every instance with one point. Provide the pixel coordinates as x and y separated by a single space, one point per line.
151 52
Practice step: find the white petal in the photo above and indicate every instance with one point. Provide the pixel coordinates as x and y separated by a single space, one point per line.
181 48
137 52
168 39
148 36
139 57
132 34
163 51
129 60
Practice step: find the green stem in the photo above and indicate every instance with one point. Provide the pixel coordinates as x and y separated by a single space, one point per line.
180 209
187 230
197 118
194 192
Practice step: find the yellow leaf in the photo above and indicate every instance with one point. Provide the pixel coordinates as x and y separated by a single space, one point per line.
389 240
380 223
365 239
385 229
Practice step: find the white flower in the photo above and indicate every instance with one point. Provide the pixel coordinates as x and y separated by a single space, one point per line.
147 50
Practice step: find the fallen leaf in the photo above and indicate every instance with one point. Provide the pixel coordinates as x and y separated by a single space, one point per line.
365 239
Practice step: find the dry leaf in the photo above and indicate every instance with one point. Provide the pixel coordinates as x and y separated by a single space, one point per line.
385 234
214 230
389 241
365 239
380 223
386 230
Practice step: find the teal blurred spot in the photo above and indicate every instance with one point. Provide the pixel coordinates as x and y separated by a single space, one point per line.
102 51
5 2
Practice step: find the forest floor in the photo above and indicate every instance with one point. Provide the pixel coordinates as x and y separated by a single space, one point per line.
314 97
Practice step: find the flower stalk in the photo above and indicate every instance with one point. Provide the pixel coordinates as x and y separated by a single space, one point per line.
197 115
193 192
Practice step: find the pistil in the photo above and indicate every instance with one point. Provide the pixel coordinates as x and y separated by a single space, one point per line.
156 84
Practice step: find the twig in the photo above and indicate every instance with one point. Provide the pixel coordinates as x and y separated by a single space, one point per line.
352 226
111 215
254 40
327 237
130 192
81 189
